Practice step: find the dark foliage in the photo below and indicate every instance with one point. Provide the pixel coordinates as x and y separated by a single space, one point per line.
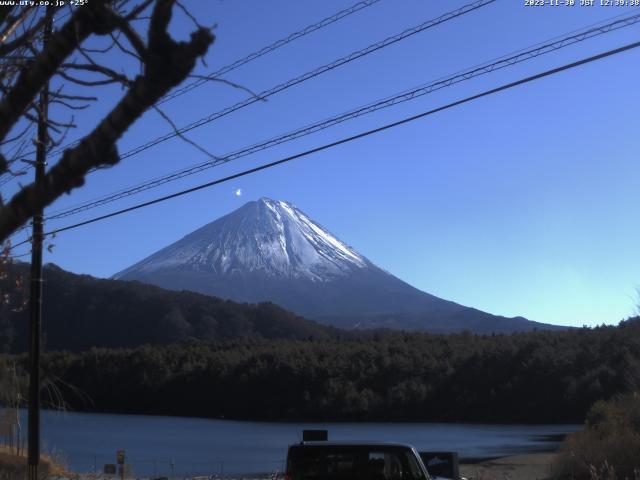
82 311
207 357
527 377
608 447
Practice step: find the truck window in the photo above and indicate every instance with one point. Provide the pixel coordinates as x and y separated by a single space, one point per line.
322 464
352 463
393 465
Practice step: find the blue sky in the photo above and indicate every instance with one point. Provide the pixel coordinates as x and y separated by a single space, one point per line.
521 203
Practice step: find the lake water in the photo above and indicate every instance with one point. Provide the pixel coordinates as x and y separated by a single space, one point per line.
175 446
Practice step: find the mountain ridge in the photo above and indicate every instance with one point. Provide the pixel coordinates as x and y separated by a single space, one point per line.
81 312
329 256
270 250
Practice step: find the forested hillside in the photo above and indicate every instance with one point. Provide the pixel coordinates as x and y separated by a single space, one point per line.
81 311
206 357
529 377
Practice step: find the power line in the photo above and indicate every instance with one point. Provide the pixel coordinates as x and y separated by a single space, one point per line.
8 176
304 77
6 180
14 257
17 155
313 73
269 48
12 247
503 62
355 137
240 62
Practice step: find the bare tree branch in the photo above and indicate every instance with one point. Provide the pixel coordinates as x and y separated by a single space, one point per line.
86 83
5 11
132 36
94 67
231 84
89 19
70 106
55 123
23 39
138 10
182 136
58 142
60 95
188 14
11 28
167 64
123 49
16 136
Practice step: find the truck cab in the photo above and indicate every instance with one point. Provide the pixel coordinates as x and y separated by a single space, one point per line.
324 460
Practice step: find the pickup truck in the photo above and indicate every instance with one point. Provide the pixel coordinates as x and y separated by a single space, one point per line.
323 460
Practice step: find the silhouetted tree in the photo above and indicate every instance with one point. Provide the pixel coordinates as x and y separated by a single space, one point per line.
138 29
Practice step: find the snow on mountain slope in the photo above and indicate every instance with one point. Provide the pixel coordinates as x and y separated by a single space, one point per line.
269 250
267 236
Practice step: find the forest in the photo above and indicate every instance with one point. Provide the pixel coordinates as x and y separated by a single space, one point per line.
81 312
539 376
127 347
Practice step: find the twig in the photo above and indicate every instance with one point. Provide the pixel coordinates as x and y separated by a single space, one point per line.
230 83
182 136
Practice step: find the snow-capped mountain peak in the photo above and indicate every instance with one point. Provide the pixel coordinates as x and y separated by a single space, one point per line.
270 251
265 236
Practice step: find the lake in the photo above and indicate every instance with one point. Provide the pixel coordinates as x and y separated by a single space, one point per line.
182 446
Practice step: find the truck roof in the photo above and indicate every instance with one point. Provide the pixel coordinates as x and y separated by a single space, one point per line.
324 443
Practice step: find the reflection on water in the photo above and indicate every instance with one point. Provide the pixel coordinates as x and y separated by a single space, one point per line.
168 446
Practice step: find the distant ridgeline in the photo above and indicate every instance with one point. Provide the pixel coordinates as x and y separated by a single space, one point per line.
270 250
530 377
80 312
192 354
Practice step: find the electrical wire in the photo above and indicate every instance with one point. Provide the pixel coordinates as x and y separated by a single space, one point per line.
312 74
237 63
503 62
269 48
11 247
302 78
7 177
364 134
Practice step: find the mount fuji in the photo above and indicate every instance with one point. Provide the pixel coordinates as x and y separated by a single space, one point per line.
270 250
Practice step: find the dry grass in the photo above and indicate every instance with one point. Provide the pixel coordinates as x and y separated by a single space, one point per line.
588 455
14 467
608 448
535 466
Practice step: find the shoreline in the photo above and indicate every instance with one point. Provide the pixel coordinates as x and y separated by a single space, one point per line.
530 466
319 421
